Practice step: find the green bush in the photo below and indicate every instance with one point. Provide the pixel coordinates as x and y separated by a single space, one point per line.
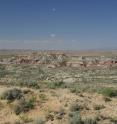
90 121
3 71
74 114
75 107
54 85
25 119
24 106
39 121
43 97
12 94
33 84
75 118
109 92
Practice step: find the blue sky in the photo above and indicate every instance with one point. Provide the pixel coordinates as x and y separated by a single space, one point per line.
58 24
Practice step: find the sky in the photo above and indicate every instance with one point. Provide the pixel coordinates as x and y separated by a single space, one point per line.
58 24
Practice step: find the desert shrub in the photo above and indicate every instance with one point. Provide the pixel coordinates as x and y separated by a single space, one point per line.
109 92
25 119
43 97
39 121
50 116
75 118
75 90
3 71
74 114
33 84
54 85
18 122
114 120
60 114
90 121
7 123
99 107
26 91
75 107
24 105
107 99
12 94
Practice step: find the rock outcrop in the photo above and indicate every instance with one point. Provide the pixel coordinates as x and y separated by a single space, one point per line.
53 60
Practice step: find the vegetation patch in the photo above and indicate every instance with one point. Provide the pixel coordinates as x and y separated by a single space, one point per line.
99 107
12 94
75 107
75 118
25 119
40 121
57 84
24 105
109 92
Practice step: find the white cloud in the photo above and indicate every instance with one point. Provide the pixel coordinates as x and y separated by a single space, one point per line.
52 35
53 9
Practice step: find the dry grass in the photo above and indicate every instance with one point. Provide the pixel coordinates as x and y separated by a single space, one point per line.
93 106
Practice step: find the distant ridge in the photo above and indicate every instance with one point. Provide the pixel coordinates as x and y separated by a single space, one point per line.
90 52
